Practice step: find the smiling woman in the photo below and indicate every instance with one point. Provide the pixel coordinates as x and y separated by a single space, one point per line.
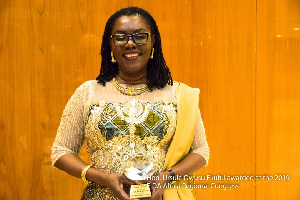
132 57
136 120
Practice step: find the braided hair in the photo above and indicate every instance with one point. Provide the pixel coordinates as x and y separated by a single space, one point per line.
158 74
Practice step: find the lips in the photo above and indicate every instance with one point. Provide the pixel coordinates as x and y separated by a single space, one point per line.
131 56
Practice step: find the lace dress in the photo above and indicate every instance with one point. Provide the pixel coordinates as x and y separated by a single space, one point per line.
121 129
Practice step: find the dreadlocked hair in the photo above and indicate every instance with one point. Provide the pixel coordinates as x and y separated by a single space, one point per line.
158 73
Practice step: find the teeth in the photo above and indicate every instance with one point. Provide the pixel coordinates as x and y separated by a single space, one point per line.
131 55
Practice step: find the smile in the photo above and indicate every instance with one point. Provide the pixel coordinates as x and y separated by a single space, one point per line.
131 55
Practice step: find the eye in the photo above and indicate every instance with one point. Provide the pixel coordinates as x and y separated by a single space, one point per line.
120 37
141 36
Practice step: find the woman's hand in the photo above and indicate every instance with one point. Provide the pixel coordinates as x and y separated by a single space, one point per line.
158 186
157 193
115 183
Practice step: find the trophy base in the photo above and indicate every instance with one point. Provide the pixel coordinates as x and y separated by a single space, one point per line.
138 191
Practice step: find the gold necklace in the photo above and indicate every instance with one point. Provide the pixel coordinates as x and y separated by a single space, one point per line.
129 90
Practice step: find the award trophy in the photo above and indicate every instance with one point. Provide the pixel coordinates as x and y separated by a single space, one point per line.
138 169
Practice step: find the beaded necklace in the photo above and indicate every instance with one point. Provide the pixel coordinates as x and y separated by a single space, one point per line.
129 90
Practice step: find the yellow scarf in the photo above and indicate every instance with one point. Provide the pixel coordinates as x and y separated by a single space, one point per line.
187 106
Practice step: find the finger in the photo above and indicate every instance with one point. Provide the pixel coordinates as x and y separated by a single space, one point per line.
147 181
138 182
127 181
121 194
156 194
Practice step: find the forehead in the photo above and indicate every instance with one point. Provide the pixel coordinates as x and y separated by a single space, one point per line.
130 24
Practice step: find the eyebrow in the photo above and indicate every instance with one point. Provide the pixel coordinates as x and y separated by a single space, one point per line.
136 31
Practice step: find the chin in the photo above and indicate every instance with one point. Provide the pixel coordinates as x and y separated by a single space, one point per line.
134 69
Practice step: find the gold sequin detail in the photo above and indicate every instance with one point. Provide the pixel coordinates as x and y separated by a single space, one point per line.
97 192
118 133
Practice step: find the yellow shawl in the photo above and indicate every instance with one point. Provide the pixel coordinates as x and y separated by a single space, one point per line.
187 106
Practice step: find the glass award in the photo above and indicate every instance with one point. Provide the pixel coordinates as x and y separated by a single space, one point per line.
138 169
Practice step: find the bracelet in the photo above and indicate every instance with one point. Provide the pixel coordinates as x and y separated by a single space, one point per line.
83 174
173 177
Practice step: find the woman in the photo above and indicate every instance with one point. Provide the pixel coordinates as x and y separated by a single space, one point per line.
133 110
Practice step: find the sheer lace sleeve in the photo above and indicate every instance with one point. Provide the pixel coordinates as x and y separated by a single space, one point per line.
199 144
70 133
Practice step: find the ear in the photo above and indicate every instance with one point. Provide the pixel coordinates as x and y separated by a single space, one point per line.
110 42
152 39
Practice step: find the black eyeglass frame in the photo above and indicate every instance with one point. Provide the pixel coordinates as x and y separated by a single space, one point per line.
130 36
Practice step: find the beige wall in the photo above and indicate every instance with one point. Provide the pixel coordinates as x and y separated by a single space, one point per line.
243 55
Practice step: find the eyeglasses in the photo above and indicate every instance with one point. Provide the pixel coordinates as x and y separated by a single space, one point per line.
138 38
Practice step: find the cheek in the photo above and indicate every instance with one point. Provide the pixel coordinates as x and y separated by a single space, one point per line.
148 49
116 52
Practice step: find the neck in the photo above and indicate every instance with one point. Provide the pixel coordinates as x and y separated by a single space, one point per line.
132 80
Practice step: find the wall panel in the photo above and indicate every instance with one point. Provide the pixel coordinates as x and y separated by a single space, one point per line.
278 98
230 94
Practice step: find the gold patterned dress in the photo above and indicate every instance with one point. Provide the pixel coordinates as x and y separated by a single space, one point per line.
120 128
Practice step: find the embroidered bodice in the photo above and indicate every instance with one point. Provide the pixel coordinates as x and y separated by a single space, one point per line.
117 133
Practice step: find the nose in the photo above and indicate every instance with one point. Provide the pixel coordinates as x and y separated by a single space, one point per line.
130 43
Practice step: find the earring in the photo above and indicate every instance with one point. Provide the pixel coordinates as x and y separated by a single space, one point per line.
113 60
152 53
